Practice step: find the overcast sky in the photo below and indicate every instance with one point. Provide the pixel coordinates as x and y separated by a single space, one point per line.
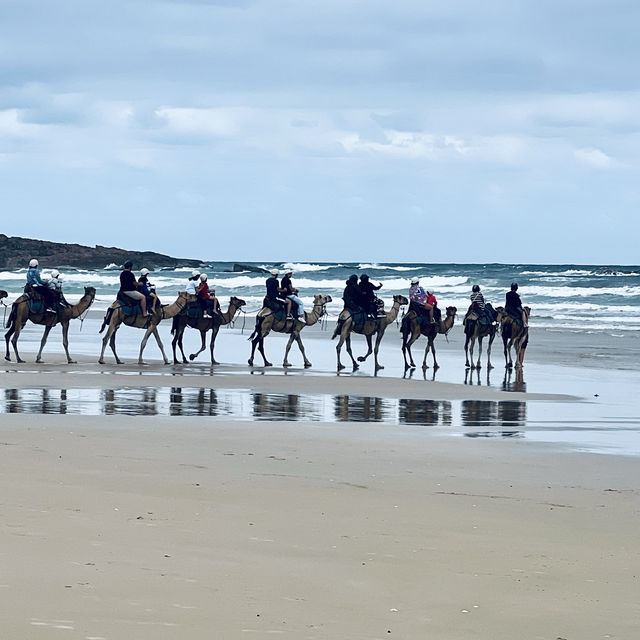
412 130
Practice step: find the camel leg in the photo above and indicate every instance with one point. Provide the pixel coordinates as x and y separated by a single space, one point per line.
507 352
14 341
261 350
254 344
369 350
45 335
341 341
203 345
491 339
65 342
112 344
407 342
214 335
307 363
177 341
348 345
285 362
430 347
468 350
7 337
478 364
379 337
105 342
156 335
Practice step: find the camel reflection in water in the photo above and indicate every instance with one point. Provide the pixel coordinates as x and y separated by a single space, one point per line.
511 415
36 401
130 402
425 412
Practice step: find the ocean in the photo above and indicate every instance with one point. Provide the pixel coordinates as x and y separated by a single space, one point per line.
576 298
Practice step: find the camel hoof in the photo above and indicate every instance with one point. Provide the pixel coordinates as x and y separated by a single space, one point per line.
268 364
166 362
361 358
286 364
20 360
100 361
341 367
38 360
425 367
214 362
192 356
72 362
307 365
379 366
355 367
7 358
490 366
250 363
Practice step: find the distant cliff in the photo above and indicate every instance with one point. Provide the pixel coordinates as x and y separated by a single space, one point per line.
15 253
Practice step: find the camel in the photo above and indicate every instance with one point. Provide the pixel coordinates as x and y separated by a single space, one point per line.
20 313
411 329
371 327
182 321
115 317
474 331
514 334
266 322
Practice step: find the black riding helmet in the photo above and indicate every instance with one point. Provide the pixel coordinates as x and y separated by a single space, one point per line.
475 288
128 264
352 279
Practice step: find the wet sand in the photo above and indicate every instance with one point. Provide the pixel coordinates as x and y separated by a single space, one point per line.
200 526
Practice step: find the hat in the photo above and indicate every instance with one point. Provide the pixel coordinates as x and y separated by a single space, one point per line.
195 273
415 280
55 273
144 272
203 277
288 271
274 272
33 263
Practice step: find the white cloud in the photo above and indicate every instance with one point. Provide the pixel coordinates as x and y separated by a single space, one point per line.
593 158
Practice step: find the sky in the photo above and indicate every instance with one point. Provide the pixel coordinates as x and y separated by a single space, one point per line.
350 130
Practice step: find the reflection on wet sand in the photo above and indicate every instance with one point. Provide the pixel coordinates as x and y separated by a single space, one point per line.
431 412
504 413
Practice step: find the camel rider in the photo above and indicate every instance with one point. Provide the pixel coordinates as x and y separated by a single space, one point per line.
205 296
273 300
38 285
367 289
129 287
513 305
486 313
352 295
290 293
147 289
55 287
418 299
192 283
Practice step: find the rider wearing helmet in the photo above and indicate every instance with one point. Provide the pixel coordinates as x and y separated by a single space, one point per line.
273 300
290 293
205 296
513 305
147 289
55 288
192 283
129 287
36 284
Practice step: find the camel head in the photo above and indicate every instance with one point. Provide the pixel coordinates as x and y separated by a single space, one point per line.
527 310
88 291
320 300
3 294
451 312
237 302
401 300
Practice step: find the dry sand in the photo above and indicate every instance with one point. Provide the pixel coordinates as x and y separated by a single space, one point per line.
132 528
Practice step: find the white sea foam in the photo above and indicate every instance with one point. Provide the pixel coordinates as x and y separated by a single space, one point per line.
569 273
303 266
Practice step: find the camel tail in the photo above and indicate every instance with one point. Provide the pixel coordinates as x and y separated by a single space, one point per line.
174 325
106 319
12 317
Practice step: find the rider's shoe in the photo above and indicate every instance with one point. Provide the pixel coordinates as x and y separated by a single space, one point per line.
302 319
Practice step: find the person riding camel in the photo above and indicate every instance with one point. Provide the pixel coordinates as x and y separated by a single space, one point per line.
191 286
147 289
513 305
205 297
290 293
38 285
273 300
55 288
419 299
129 287
486 313
369 299
352 295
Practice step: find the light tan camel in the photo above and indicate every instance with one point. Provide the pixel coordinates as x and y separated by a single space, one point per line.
182 321
266 322
371 327
514 335
20 314
475 331
411 329
115 317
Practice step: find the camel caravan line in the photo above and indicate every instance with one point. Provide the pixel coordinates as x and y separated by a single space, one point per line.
413 324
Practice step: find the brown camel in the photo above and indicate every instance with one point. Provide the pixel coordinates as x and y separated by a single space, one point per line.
475 331
115 317
266 322
411 329
20 313
371 327
514 334
182 321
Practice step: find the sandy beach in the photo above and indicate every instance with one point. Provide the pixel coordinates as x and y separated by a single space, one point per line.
191 502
